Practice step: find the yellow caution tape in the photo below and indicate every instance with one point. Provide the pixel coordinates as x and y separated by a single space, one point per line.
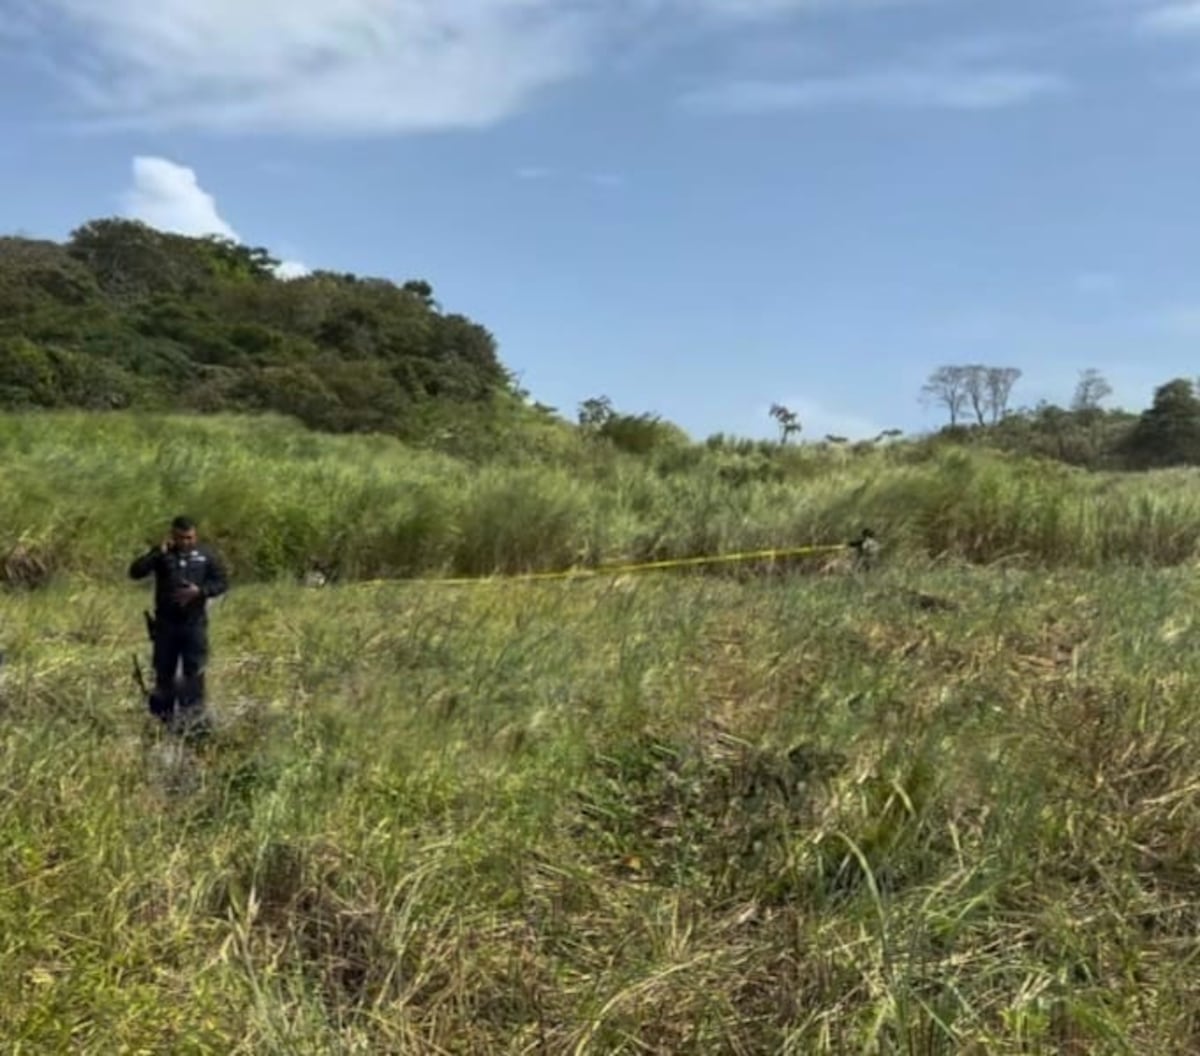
621 569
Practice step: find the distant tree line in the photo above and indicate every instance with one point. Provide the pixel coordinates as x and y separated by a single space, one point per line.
125 316
977 400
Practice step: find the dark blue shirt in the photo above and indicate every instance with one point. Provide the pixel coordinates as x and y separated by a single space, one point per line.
175 569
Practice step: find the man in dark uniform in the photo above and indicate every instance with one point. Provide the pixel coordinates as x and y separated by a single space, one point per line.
186 576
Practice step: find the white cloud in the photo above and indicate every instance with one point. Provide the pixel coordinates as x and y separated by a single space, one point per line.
168 197
322 65
291 269
1174 18
907 88
345 66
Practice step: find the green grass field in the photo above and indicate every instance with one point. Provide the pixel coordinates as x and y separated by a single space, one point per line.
952 806
85 493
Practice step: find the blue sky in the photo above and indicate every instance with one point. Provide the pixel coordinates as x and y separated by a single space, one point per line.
695 207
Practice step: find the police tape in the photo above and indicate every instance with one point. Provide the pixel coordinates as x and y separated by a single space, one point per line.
618 569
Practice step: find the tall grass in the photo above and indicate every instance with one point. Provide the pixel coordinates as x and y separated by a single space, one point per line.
678 815
86 493
943 808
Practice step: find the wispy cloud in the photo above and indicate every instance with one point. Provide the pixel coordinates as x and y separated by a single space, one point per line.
905 88
765 9
981 70
1172 19
346 65
342 66
168 197
610 180
533 172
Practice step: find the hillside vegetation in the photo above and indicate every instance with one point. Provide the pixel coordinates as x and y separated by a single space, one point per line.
124 316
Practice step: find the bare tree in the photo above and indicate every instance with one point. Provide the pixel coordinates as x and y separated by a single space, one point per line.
788 422
999 382
985 390
947 386
975 386
1092 390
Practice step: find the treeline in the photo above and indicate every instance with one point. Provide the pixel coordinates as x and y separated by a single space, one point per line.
1083 433
124 316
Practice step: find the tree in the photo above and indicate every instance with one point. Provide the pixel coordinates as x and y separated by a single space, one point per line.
1092 390
986 390
27 375
1168 432
233 260
595 413
788 422
640 434
999 382
975 384
123 314
947 386
423 291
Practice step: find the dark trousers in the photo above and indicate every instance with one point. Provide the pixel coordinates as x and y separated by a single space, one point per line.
179 645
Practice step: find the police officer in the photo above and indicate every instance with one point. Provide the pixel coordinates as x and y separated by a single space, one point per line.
186 576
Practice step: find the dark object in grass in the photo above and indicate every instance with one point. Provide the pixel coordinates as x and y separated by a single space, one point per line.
933 603
866 549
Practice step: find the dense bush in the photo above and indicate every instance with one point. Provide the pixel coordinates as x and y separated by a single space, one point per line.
126 316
